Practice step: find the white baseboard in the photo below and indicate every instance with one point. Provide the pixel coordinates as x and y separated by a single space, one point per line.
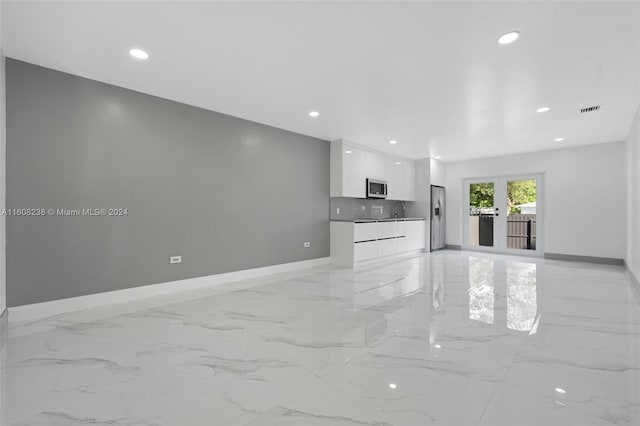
73 304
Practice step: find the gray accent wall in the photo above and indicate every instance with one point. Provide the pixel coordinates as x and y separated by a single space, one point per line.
224 193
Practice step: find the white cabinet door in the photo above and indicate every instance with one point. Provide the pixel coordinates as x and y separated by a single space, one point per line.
365 231
401 175
386 229
409 181
395 176
364 251
402 244
354 172
415 234
387 247
400 229
376 166
420 231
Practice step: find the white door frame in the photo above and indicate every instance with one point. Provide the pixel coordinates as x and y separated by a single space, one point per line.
500 225
497 231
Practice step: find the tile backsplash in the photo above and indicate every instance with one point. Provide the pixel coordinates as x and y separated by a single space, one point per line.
359 208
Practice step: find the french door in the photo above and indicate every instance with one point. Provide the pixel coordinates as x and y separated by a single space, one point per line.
504 214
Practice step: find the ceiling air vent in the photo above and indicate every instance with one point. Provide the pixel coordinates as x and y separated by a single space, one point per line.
590 109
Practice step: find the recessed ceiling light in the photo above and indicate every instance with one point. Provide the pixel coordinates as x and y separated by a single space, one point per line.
543 109
398 163
560 390
139 54
437 157
393 142
392 385
509 37
437 346
558 139
314 114
348 151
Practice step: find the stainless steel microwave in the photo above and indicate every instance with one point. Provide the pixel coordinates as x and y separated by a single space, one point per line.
376 188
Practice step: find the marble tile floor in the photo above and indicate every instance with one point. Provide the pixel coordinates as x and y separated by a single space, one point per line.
450 338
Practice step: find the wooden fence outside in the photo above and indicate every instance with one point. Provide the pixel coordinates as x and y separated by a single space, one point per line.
521 231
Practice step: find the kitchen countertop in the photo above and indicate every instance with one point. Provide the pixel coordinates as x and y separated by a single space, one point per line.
391 219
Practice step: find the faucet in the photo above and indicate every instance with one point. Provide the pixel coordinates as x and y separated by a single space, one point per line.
395 209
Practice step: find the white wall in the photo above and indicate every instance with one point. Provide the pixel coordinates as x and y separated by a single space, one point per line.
585 196
437 170
633 196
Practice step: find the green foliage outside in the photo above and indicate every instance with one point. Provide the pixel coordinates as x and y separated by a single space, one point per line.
481 195
518 192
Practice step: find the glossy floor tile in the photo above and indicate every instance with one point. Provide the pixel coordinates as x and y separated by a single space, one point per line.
449 338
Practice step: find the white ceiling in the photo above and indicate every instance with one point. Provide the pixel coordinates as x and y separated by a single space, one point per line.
428 74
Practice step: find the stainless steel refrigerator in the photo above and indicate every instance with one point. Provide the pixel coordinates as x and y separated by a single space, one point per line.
438 240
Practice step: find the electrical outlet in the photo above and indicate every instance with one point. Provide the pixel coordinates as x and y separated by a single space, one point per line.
307 244
337 210
175 259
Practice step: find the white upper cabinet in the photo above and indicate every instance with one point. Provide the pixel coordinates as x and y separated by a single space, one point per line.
409 181
348 171
395 177
351 165
376 166
354 172
401 175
